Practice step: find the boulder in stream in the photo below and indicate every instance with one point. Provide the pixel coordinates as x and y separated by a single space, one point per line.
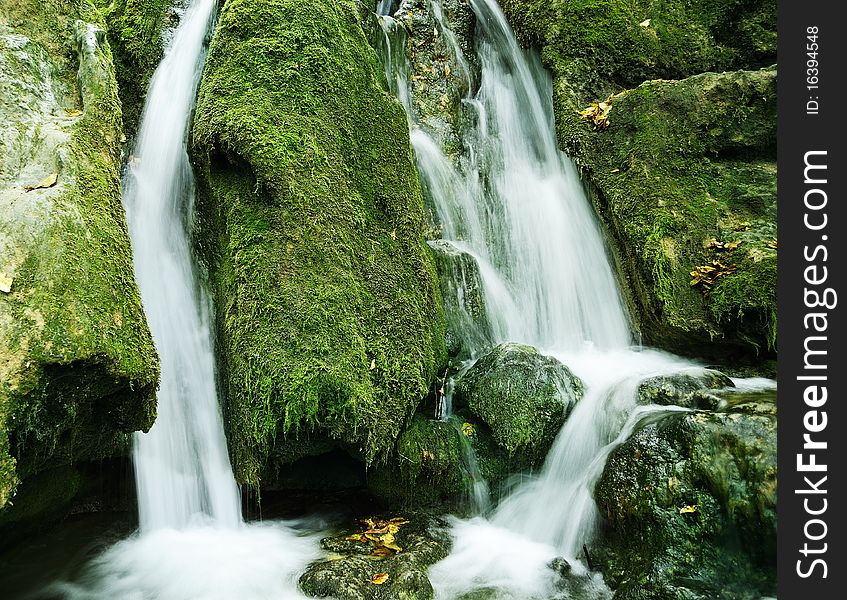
690 506
311 225
523 396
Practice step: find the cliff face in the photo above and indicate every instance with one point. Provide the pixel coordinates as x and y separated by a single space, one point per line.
78 370
329 312
683 171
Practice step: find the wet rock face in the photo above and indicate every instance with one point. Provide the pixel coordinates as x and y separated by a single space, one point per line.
522 395
685 177
687 389
690 503
311 226
468 326
78 370
361 565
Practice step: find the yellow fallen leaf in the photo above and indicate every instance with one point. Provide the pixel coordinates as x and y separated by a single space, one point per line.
645 23
73 113
379 578
47 182
394 234
446 70
467 429
691 508
382 552
373 364
5 283
771 244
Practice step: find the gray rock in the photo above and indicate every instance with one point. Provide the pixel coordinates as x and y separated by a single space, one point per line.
690 507
347 572
689 389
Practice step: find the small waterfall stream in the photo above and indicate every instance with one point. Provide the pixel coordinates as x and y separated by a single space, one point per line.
192 542
182 466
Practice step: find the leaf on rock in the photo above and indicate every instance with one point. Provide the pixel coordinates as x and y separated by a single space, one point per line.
5 283
468 429
705 276
771 244
45 183
379 578
691 508
373 365
645 23
598 113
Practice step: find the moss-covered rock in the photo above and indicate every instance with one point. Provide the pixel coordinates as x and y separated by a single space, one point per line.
330 316
78 370
685 167
136 29
690 507
690 388
685 176
354 565
598 47
468 327
522 395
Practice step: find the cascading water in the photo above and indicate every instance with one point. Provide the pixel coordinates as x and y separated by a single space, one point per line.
182 467
192 541
515 204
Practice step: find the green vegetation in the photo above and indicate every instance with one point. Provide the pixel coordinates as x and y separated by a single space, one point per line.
135 33
690 507
682 162
79 370
329 312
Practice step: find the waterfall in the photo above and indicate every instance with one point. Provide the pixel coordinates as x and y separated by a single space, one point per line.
182 466
515 203
192 542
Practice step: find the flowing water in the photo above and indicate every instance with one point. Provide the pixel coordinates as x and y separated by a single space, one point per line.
516 204
192 542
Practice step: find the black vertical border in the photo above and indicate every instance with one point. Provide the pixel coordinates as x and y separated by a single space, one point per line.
799 133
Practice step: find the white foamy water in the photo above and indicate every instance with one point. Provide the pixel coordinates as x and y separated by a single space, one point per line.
192 542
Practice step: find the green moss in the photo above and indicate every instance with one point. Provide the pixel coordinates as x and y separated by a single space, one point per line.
312 228
425 468
683 163
80 369
135 33
602 46
747 300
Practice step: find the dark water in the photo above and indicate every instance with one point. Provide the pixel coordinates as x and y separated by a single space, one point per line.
59 553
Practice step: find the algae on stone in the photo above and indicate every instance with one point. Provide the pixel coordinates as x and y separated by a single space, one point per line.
311 226
78 370
522 395
690 507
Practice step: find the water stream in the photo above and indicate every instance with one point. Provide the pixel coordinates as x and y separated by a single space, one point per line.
516 204
192 541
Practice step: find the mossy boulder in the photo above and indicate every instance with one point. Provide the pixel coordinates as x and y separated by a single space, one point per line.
685 177
439 463
690 507
522 395
690 388
598 47
353 565
311 227
687 165
468 327
78 370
